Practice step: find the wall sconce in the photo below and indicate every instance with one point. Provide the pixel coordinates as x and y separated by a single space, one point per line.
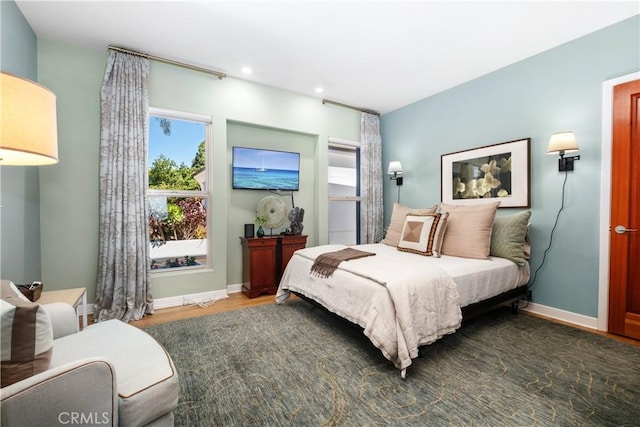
28 131
562 142
395 169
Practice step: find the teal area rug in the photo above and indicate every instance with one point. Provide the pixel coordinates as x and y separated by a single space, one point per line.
296 365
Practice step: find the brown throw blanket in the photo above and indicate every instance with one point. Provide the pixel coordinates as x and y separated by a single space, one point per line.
325 264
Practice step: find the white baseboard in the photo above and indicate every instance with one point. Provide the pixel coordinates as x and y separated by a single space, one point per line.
235 288
195 298
563 315
180 299
543 310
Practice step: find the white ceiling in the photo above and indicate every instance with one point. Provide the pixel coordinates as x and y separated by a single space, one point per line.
379 55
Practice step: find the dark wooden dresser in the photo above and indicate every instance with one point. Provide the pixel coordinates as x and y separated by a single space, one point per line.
264 260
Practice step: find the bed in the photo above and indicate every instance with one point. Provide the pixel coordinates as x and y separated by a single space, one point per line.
404 300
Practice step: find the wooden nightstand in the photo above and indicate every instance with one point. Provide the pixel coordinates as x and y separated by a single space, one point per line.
259 266
264 260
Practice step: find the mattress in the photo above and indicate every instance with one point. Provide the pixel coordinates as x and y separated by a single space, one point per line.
477 279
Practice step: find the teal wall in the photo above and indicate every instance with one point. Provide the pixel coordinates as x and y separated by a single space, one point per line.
243 113
50 214
19 190
560 89
69 191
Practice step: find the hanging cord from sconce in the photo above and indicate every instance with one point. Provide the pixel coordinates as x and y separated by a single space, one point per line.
399 186
544 256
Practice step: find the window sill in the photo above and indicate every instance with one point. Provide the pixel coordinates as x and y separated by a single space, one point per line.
180 271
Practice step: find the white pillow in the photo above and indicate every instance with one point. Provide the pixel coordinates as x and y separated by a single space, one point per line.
27 338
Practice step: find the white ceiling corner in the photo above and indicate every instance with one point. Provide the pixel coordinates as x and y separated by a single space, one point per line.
379 55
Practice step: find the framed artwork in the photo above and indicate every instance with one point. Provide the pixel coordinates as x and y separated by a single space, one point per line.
493 172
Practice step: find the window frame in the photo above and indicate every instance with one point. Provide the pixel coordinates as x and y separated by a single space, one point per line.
206 194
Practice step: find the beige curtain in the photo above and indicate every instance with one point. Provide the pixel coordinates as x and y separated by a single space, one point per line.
371 203
123 263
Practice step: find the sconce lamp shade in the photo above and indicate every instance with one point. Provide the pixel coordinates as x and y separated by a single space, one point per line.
562 142
28 131
395 168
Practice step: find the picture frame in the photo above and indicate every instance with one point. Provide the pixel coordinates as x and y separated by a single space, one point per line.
497 172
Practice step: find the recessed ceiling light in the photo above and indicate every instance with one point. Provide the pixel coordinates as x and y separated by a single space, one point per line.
319 90
246 70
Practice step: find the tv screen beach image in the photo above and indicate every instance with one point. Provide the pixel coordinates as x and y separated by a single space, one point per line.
265 169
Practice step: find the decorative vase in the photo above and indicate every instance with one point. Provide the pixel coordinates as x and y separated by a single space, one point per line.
260 231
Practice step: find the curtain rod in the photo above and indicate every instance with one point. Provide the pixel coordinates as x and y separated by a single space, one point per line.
340 104
169 61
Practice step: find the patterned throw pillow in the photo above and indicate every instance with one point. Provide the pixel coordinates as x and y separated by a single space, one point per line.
423 234
508 239
27 338
398 216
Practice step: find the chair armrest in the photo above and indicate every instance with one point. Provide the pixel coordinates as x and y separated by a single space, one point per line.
80 392
64 320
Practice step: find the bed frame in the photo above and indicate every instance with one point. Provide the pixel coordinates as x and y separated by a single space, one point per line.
513 297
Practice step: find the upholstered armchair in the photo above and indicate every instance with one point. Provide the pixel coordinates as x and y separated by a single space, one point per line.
110 373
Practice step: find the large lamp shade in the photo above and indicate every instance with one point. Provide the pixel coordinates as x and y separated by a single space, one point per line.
562 142
28 125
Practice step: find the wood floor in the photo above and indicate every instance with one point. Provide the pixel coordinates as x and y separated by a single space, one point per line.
237 301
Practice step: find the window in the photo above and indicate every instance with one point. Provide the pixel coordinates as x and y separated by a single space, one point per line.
344 193
177 194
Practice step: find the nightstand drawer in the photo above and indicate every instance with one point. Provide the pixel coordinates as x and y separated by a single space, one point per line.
258 242
294 240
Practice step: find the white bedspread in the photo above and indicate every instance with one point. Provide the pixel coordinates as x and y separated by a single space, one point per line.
401 302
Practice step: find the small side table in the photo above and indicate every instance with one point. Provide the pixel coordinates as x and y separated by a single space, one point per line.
74 297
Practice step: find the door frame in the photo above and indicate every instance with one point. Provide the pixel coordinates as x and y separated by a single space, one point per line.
605 195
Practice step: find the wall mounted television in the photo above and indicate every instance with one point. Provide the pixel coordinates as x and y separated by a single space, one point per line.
260 169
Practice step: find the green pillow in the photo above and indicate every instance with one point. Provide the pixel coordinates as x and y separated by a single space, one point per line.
508 237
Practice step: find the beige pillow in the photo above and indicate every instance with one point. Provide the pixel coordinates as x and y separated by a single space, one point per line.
469 228
398 215
423 234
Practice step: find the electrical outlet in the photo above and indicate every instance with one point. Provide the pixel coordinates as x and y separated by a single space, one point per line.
529 296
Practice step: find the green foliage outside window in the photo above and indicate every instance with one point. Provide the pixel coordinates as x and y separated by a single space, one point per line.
184 218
